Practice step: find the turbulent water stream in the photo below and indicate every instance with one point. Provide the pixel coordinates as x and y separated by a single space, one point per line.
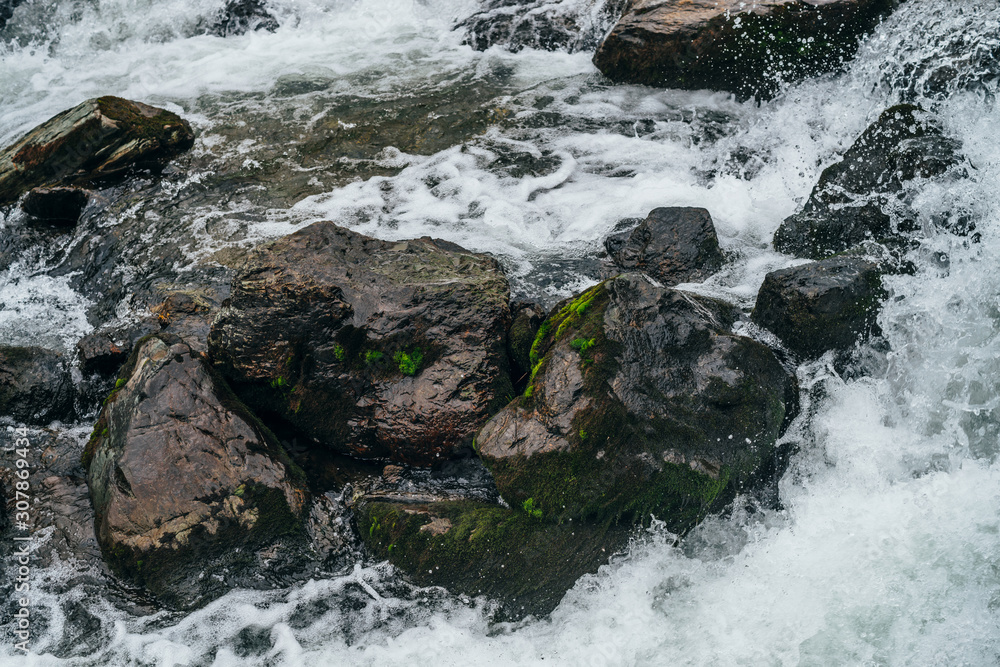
886 550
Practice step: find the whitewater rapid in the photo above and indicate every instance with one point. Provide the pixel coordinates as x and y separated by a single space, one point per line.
886 550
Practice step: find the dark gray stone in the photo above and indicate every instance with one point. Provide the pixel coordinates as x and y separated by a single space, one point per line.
846 206
673 245
825 305
35 385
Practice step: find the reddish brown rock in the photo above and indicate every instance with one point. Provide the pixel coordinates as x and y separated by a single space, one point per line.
97 139
747 48
181 475
376 348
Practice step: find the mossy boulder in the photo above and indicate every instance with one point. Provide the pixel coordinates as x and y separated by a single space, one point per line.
35 385
99 139
378 349
641 402
820 306
746 48
527 317
183 478
847 205
672 245
509 555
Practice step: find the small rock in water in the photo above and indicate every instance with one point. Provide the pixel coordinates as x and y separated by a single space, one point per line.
846 206
825 305
746 48
241 16
58 206
672 245
98 139
538 24
35 385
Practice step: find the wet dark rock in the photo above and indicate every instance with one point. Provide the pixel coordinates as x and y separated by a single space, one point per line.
7 8
35 385
98 139
538 24
672 245
59 205
104 351
825 305
847 205
641 402
745 48
527 317
241 16
380 349
478 548
183 478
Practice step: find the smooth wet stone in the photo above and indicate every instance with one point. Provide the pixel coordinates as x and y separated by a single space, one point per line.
59 205
380 349
820 306
672 245
184 478
847 206
98 139
746 48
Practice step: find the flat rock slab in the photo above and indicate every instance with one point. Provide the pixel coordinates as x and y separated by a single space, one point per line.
181 474
379 349
672 245
820 306
97 139
746 48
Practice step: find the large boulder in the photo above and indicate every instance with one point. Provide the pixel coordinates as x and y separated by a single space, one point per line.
35 385
183 477
820 306
672 245
97 139
847 205
747 48
376 348
641 402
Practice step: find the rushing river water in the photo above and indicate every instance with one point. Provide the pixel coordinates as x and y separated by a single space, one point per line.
886 550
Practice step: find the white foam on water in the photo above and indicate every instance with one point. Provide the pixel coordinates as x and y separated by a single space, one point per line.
886 550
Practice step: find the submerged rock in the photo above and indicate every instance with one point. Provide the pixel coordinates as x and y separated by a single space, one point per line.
672 245
59 205
846 206
183 478
7 8
826 305
477 548
746 48
241 16
376 348
97 139
35 385
641 403
539 24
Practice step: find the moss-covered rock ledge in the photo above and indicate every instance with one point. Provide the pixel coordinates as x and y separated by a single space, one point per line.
183 478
